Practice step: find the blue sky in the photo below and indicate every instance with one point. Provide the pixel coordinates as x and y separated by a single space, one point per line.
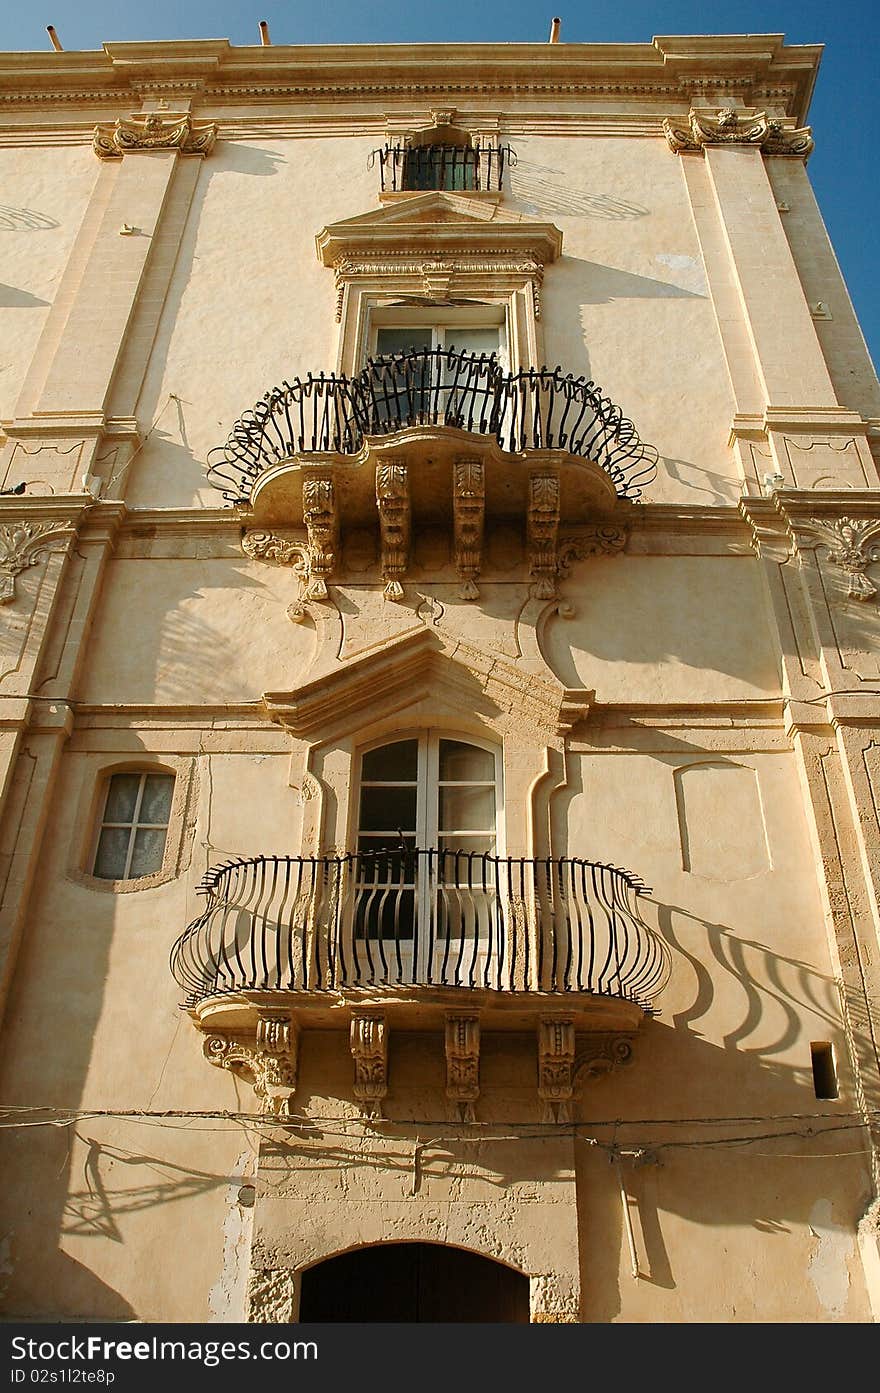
843 168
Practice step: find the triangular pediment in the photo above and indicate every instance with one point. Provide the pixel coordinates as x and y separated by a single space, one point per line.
436 223
420 666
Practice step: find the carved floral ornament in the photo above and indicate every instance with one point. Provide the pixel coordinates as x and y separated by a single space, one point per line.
437 278
23 544
155 131
849 545
731 127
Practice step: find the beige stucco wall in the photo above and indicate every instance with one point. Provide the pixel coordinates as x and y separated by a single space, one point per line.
697 704
225 618
45 194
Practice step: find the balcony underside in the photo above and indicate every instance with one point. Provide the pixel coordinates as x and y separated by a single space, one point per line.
419 1008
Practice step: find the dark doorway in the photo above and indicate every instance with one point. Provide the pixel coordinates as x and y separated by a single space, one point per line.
413 1282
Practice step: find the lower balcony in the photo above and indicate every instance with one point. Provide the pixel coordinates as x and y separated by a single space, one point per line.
417 939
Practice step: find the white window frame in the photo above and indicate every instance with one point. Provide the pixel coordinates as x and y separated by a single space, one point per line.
427 833
134 826
442 321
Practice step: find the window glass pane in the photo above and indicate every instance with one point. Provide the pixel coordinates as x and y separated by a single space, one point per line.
399 761
467 338
466 762
156 802
149 848
456 868
385 863
383 914
112 851
467 809
122 797
387 809
401 340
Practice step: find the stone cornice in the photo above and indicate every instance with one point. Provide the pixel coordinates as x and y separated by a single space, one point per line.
732 62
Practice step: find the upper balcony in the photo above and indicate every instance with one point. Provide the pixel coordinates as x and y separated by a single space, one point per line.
535 410
458 168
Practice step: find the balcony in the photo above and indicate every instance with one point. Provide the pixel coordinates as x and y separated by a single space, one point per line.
418 939
522 412
456 168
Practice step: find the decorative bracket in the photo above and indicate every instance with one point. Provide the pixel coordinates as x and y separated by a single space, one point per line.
731 127
23 544
322 529
468 510
392 501
599 1054
270 1062
542 529
155 131
462 1065
848 541
369 1048
265 546
556 1048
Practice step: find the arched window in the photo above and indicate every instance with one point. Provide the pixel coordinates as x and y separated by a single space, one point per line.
427 842
443 157
130 840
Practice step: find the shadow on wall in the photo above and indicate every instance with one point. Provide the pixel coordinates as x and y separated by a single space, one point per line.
228 158
546 190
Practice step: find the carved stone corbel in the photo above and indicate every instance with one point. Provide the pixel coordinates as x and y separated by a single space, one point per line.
731 127
599 1054
265 546
270 1062
23 544
601 540
468 509
322 529
462 1065
542 529
369 1047
849 546
556 1050
154 131
392 501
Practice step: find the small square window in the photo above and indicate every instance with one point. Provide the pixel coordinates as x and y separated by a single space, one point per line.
134 825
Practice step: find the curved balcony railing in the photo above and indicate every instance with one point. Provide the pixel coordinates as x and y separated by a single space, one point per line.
414 168
536 409
416 917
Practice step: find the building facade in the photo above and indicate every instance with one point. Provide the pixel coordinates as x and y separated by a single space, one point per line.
355 640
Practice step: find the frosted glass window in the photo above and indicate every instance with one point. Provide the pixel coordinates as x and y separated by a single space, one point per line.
134 826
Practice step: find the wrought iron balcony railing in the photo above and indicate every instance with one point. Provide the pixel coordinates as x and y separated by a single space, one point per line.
452 167
535 409
414 917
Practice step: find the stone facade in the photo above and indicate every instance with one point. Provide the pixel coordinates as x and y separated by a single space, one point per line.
666 655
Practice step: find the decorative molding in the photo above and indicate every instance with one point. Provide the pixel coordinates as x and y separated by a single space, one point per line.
849 546
599 1054
266 546
468 512
462 1064
369 1047
542 529
154 131
729 126
270 1061
393 503
556 1053
438 278
601 540
322 529
23 544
